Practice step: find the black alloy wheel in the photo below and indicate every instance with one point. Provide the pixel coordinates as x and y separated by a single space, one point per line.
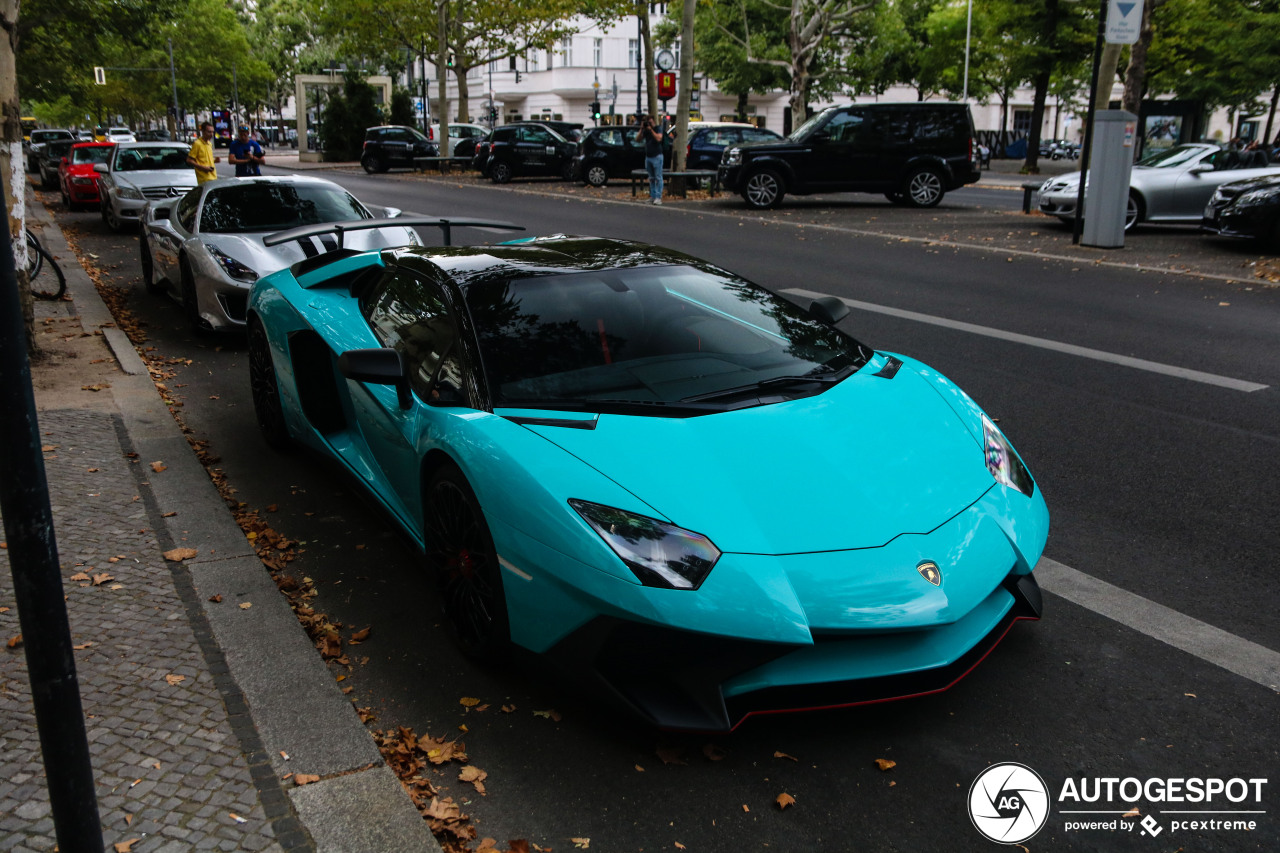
148 266
372 164
763 190
923 188
461 557
265 387
500 172
190 303
597 175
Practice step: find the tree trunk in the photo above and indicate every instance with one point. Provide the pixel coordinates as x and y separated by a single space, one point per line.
1135 75
646 45
1041 78
686 86
464 95
13 167
442 76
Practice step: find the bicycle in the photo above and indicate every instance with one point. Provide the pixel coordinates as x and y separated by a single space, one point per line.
36 257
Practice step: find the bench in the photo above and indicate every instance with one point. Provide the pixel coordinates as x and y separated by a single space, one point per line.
444 164
639 176
1028 190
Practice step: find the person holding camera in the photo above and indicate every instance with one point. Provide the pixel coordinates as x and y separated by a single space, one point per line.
652 138
246 154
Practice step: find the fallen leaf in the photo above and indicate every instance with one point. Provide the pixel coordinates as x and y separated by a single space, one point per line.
475 776
273 508
508 709
216 599
177 555
714 753
80 576
785 800
885 764
679 846
128 820
581 843
550 715
245 605
301 779
671 755
1192 695
784 755
100 579
175 679
468 702
125 846
14 642
361 636
892 784
1133 812
744 808
639 769
168 514
158 467
82 646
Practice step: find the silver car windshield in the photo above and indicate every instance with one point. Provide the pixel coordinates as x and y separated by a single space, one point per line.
270 206
1171 157
151 159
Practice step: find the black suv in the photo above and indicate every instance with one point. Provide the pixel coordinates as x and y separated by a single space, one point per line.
526 148
612 152
393 145
913 153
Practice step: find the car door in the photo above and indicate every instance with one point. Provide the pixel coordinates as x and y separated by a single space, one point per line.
166 236
536 151
845 151
415 317
399 146
1195 185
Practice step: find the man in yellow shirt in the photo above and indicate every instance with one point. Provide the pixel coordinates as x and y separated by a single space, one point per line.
201 158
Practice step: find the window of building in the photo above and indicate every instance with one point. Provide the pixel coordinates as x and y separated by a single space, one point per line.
566 51
633 53
597 52
1022 121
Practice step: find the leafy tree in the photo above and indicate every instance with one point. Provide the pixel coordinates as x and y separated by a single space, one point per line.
402 107
346 116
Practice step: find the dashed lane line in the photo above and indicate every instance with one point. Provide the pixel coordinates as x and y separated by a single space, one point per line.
1045 343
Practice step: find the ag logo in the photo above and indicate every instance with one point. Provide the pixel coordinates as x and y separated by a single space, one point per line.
1008 803
929 571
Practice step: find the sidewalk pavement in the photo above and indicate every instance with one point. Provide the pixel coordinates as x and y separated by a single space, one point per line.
200 714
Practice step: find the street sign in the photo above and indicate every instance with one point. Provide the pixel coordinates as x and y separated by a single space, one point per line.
1124 21
666 85
99 75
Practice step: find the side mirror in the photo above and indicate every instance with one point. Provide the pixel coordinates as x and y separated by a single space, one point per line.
381 366
391 212
828 309
101 168
1201 169
820 137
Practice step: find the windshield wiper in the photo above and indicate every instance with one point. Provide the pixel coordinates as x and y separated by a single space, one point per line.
823 376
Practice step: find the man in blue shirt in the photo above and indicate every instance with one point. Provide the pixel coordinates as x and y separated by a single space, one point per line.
246 154
651 137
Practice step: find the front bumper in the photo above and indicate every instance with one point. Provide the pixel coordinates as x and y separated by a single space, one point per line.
1058 204
681 680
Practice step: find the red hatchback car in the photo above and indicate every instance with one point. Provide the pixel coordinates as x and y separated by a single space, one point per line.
76 177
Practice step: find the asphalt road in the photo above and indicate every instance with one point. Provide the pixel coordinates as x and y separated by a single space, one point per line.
1128 393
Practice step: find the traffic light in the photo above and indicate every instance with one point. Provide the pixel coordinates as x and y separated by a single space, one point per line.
595 110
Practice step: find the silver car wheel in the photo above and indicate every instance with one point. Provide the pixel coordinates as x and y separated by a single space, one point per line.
597 176
924 188
763 190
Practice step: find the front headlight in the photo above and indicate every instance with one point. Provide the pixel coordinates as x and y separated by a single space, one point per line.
231 266
1002 462
129 192
732 157
659 554
81 180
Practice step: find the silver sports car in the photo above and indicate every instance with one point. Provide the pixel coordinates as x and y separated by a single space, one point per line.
1169 185
207 248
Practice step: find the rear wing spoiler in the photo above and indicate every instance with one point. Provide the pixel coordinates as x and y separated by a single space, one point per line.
446 224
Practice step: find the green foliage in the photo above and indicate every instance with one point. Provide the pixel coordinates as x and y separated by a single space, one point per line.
402 108
345 117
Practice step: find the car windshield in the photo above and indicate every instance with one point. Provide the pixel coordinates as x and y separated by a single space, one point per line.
92 154
801 133
650 335
1170 157
38 136
273 206
151 159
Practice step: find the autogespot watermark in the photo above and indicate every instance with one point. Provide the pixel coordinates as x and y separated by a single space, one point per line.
1009 803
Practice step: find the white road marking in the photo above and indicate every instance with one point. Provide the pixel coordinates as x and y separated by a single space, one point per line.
1234 654
1045 343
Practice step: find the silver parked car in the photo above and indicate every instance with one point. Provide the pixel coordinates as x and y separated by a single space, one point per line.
139 172
1169 185
207 248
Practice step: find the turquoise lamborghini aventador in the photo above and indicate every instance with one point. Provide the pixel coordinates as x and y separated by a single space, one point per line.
709 500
